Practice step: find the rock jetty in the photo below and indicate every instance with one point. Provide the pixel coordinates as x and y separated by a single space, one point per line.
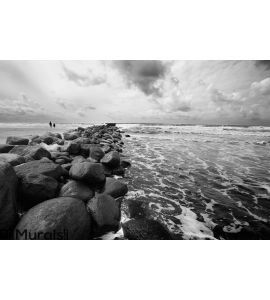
57 186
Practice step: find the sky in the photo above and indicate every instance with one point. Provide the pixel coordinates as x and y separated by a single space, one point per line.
130 91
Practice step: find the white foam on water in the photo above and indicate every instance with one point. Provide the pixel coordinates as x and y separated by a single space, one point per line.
53 148
191 227
161 207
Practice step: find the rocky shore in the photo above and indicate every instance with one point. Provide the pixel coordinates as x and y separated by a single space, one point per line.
66 186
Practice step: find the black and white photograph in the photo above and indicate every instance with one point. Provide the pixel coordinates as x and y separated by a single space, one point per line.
135 149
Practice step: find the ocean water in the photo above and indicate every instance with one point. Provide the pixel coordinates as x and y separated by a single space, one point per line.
200 182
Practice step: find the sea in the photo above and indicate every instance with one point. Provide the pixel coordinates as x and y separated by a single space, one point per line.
198 182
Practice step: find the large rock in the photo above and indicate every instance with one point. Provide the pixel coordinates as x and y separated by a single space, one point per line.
4 148
105 211
91 173
144 229
111 159
59 218
72 148
78 159
114 188
15 140
82 140
36 152
36 188
8 200
43 166
96 153
13 159
85 149
69 136
76 189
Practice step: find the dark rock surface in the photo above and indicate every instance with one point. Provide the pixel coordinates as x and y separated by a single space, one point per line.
36 188
105 212
36 152
59 218
43 166
4 148
91 173
8 200
111 159
144 229
14 140
114 188
96 153
13 159
76 189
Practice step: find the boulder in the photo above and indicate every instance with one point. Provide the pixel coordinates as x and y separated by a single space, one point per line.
72 148
78 159
4 148
69 136
13 159
114 188
36 152
8 200
67 166
144 229
76 189
58 218
105 212
91 173
43 166
85 149
111 159
48 139
36 188
125 163
15 140
96 153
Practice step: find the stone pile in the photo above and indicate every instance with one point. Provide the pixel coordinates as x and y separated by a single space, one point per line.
54 187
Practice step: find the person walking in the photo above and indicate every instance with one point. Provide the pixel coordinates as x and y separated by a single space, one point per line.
53 125
50 124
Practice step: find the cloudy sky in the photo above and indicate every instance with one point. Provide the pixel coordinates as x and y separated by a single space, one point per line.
197 92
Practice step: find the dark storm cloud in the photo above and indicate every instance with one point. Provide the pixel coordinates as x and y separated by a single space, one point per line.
144 74
263 63
82 79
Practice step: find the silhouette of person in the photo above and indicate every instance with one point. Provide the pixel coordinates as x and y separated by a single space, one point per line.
50 124
54 125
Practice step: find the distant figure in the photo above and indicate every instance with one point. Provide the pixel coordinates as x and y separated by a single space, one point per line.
50 124
53 125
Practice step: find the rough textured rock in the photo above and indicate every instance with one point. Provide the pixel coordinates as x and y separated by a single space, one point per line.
85 149
60 161
114 188
4 148
76 189
43 166
14 140
36 188
92 173
47 139
82 140
8 200
59 218
111 159
125 163
144 229
72 148
69 136
13 159
36 152
78 159
96 153
67 166
105 212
